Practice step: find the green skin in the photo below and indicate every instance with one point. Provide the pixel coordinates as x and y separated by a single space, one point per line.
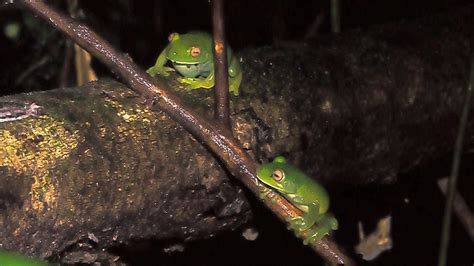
197 69
12 259
304 193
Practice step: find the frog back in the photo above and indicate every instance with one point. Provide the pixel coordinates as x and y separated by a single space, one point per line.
308 189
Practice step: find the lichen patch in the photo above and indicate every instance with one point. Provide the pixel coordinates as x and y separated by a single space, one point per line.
33 147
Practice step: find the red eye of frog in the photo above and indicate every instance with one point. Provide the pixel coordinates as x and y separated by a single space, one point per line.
195 51
278 175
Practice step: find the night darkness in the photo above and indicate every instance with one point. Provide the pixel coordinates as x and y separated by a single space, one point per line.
140 28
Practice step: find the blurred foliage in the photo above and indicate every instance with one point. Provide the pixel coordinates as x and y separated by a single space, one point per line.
12 31
31 49
13 259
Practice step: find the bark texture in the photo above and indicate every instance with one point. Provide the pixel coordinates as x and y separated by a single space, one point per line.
96 166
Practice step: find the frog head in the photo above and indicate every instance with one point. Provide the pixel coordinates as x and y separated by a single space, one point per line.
277 175
188 51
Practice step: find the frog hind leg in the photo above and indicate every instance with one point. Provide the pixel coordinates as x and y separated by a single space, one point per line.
234 83
235 75
309 218
324 225
196 83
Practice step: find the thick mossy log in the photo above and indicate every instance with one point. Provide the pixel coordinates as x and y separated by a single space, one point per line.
96 161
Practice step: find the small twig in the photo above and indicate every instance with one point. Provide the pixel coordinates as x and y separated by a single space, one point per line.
12 111
220 142
335 16
84 70
315 26
443 250
31 69
82 59
461 208
64 76
221 111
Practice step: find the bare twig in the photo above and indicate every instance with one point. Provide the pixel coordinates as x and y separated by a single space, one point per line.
64 76
82 59
335 16
220 142
221 112
84 70
315 26
443 250
33 67
461 208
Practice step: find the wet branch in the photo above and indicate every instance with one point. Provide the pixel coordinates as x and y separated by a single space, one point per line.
221 89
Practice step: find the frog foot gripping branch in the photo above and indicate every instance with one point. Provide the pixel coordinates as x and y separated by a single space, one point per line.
191 56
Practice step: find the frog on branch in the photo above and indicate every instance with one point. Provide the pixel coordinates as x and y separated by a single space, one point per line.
191 55
305 194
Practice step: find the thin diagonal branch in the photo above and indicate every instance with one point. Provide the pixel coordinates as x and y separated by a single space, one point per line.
335 16
461 208
443 250
219 141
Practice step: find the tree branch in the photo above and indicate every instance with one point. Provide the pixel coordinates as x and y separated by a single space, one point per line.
220 61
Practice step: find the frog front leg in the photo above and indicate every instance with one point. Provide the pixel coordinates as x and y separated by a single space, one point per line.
159 67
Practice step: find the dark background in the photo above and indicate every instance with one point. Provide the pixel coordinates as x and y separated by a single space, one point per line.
140 28
34 60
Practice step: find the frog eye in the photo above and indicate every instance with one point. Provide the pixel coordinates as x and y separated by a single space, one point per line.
195 51
278 175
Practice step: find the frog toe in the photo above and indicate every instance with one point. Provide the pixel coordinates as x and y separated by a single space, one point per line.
291 225
299 224
234 90
328 221
315 235
184 80
153 71
334 224
189 87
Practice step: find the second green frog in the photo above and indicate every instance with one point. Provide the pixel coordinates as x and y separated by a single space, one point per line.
191 56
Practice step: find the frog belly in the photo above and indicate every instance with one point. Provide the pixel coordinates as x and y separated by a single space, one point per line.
187 70
193 70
